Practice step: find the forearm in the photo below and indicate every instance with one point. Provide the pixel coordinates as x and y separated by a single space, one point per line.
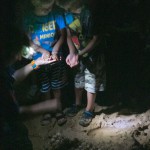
22 73
71 46
36 47
91 45
45 106
72 58
59 43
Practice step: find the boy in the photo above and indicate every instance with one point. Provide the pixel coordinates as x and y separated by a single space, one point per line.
84 42
46 29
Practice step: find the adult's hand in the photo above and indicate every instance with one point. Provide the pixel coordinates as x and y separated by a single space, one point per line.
42 61
45 54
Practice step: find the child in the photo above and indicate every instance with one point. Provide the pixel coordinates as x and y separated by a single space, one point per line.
83 41
46 29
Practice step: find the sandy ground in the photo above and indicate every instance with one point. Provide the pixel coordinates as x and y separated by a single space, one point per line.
106 132
113 128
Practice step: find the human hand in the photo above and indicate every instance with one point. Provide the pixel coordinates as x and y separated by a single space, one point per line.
45 54
41 61
72 60
54 56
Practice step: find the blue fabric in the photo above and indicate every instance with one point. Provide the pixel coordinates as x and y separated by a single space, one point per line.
69 18
43 30
88 114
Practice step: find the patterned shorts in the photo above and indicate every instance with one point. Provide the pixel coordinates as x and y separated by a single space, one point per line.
85 79
92 81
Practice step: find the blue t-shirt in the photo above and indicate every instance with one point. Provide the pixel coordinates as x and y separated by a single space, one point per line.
44 30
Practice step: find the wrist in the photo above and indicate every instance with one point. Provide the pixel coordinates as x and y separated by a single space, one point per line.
73 53
80 53
83 54
54 53
33 64
35 47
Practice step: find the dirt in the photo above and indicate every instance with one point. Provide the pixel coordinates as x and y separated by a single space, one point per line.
113 128
106 132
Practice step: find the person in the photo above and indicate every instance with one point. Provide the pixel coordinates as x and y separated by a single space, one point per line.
13 134
83 45
45 27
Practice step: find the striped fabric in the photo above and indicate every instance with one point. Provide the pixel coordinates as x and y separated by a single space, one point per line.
52 76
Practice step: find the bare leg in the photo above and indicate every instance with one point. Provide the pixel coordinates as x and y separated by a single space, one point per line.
33 86
57 96
88 114
90 101
60 117
78 94
45 106
46 96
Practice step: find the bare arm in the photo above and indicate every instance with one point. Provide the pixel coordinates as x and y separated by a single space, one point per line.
59 43
90 46
38 48
23 72
71 46
72 58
